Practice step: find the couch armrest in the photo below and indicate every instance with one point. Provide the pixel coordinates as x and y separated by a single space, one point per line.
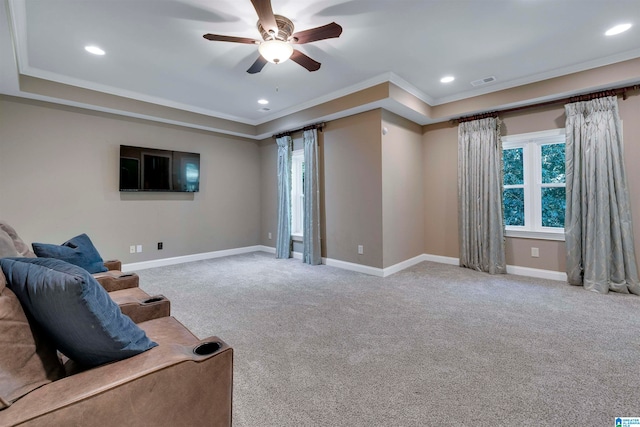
140 306
115 280
113 264
168 385
154 307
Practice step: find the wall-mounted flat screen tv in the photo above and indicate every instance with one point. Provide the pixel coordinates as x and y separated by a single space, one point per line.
152 169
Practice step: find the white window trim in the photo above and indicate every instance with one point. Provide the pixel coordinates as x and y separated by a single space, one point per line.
536 231
297 195
538 235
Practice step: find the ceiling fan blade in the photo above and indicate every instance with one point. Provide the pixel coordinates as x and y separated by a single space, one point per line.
302 59
328 31
219 38
257 66
265 15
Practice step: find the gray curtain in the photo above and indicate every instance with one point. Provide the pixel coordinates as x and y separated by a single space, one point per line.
311 217
283 241
598 224
480 221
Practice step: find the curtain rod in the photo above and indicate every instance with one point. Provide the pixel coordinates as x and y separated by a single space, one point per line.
584 97
318 126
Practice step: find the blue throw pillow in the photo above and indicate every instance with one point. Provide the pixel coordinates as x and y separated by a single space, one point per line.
74 310
77 251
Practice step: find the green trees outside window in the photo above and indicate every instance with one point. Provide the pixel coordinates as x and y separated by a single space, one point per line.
534 185
513 193
553 197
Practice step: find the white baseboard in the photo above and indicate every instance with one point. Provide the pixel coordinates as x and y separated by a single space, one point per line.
269 249
189 258
404 264
511 269
536 272
442 259
372 271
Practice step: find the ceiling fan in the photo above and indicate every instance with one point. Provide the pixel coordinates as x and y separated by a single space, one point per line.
278 39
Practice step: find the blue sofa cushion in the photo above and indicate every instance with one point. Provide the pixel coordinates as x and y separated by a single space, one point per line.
74 310
77 251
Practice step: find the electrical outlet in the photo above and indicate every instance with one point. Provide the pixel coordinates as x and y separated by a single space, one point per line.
139 248
132 249
159 246
360 249
269 235
535 252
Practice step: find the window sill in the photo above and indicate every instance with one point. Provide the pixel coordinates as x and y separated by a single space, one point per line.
539 235
297 237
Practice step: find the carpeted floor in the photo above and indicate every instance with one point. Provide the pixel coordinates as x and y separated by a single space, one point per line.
431 345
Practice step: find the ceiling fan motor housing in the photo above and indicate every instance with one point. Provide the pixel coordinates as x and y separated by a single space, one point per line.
285 29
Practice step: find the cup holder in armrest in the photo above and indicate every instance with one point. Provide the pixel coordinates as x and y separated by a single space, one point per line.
207 348
153 299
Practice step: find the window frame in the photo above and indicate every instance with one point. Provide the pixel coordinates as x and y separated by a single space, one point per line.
297 194
531 144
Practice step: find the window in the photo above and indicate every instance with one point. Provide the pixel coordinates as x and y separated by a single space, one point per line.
297 192
534 184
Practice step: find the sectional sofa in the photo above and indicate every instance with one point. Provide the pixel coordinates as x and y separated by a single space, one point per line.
74 354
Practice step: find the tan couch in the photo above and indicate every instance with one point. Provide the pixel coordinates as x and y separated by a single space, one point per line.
169 385
183 381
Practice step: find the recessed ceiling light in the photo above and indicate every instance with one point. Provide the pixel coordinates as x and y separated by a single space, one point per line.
94 49
263 101
617 29
447 79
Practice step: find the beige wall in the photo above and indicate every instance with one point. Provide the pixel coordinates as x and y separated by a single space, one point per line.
440 157
59 178
552 254
268 192
440 175
352 165
402 189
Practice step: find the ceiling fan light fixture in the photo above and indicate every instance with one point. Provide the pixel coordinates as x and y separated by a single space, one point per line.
275 51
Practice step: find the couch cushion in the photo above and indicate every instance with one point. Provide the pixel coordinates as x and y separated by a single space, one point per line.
77 251
74 310
21 247
7 248
26 362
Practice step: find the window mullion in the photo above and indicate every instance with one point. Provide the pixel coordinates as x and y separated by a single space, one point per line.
537 194
526 164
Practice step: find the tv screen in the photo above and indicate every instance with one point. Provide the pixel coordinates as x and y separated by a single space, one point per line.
152 169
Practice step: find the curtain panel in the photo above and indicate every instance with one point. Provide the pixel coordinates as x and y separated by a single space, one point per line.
598 225
283 241
480 220
311 217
